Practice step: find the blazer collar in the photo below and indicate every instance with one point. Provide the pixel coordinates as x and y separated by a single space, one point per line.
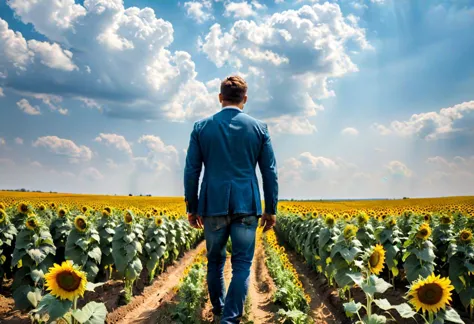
232 107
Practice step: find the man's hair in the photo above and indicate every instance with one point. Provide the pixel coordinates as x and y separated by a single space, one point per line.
233 89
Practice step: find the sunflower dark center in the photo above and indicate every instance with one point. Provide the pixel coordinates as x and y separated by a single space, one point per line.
32 223
465 236
81 223
128 218
24 208
68 280
374 259
424 232
430 294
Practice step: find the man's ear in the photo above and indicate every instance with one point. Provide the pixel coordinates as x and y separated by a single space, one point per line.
220 98
245 99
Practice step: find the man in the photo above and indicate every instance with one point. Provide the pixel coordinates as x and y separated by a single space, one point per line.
230 144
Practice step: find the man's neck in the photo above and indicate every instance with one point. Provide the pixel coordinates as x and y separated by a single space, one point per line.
227 104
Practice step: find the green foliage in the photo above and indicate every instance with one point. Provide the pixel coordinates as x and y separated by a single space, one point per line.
126 250
34 253
191 295
155 246
83 248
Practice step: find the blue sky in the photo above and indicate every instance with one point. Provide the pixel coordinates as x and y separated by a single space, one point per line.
363 98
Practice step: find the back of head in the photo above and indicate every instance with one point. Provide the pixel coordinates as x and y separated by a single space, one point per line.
234 90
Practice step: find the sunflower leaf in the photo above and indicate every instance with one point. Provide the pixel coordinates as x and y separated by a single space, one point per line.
92 313
92 286
405 310
56 308
383 304
352 307
34 297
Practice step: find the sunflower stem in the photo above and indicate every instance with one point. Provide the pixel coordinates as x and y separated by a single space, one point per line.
430 317
74 307
471 310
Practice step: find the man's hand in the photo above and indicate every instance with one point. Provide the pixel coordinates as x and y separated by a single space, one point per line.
267 221
195 221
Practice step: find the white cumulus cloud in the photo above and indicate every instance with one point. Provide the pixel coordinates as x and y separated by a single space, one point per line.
19 141
115 140
289 58
27 108
434 125
398 169
239 9
350 131
199 11
65 147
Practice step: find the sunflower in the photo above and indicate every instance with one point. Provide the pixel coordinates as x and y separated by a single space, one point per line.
80 223
84 209
427 217
128 218
42 208
105 213
62 212
23 208
3 216
377 259
2 205
158 221
362 218
31 223
108 209
53 205
465 235
391 222
65 281
350 231
446 219
424 231
430 294
329 220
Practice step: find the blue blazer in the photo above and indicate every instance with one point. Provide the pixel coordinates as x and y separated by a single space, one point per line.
230 144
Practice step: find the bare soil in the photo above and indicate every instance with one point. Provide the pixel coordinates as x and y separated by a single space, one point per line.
144 308
8 314
261 290
326 306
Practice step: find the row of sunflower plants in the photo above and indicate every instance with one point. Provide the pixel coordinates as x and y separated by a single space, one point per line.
103 244
290 294
363 251
191 291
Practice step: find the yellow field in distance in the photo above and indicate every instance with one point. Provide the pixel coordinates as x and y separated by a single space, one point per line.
177 205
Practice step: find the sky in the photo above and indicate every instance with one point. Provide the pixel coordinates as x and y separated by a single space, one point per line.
363 98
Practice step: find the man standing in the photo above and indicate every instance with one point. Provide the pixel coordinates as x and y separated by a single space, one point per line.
230 144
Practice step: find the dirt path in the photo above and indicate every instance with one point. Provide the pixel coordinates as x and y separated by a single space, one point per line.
261 289
144 308
325 303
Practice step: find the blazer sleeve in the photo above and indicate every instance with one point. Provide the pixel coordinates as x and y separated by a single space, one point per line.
268 168
192 172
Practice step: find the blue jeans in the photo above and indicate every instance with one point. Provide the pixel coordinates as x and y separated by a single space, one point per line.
217 230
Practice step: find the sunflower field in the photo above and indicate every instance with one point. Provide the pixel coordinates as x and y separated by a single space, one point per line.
50 250
425 253
409 261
